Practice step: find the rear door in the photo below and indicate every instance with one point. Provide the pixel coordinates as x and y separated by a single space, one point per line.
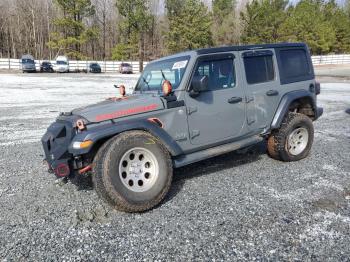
262 86
217 114
296 70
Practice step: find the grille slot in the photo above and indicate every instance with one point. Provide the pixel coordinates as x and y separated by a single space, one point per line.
62 133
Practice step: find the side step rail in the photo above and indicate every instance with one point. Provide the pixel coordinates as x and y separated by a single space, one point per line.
215 151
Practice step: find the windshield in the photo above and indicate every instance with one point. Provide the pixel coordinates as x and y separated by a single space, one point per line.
61 62
27 61
153 76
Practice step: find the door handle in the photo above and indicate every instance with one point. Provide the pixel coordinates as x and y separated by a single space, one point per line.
272 93
235 99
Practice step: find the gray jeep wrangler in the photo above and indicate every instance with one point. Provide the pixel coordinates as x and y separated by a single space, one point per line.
186 108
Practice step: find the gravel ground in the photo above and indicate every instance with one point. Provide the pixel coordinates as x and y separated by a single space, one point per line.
240 206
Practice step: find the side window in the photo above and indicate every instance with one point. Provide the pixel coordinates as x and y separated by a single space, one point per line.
259 68
294 65
220 73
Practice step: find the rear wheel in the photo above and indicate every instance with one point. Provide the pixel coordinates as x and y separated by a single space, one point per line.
133 171
293 140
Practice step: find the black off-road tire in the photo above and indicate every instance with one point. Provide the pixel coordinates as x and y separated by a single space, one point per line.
277 144
108 182
97 179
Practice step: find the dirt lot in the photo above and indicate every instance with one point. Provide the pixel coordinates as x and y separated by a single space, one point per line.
240 206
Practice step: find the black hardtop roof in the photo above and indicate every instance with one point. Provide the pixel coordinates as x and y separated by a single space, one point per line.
223 49
246 47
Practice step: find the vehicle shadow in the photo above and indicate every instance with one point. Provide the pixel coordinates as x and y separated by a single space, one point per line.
82 182
215 164
347 111
202 168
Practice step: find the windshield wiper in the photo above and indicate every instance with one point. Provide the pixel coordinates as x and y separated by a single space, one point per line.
163 75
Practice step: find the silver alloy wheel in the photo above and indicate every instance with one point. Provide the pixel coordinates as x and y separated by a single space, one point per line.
138 169
297 141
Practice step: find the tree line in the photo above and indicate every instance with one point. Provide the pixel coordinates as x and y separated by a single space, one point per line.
148 29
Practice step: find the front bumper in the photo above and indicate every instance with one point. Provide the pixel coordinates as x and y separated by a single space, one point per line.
126 71
62 70
55 143
29 69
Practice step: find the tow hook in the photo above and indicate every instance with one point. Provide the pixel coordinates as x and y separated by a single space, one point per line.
85 169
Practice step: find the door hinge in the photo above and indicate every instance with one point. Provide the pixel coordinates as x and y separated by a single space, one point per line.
250 121
191 109
194 133
180 137
249 99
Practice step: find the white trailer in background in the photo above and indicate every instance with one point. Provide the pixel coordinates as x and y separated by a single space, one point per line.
62 64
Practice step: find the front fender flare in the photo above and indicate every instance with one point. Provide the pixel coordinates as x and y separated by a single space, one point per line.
286 101
111 129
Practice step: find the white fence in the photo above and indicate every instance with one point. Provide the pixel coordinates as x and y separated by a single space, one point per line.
330 59
113 66
106 66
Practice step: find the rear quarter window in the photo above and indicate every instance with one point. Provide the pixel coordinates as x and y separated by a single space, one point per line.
294 65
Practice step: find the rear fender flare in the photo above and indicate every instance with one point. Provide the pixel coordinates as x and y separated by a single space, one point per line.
112 129
286 101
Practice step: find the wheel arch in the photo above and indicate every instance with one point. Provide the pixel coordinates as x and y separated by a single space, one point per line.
103 134
301 101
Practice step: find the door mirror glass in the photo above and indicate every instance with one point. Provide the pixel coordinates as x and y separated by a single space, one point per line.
199 84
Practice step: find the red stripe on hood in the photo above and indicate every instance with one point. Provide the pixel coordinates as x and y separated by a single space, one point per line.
125 112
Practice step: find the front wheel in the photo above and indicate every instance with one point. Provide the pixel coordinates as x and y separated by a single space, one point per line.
293 140
133 171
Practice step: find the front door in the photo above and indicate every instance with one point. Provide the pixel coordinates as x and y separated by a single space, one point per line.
217 114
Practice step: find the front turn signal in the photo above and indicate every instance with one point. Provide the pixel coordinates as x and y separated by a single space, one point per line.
82 145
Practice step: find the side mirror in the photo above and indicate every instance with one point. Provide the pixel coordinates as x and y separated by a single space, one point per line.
199 84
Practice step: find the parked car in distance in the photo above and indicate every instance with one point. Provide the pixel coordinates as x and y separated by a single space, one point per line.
95 68
28 63
186 108
125 68
46 66
62 64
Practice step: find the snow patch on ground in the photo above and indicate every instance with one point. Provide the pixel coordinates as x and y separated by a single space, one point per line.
37 99
321 229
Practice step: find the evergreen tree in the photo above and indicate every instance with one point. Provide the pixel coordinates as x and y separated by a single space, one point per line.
262 20
135 24
340 21
306 22
224 26
189 25
71 32
347 7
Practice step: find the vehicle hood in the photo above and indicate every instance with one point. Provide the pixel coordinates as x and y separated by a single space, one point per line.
118 108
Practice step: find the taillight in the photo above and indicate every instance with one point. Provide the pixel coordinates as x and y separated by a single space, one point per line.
317 88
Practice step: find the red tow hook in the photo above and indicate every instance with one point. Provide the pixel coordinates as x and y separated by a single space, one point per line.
85 169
